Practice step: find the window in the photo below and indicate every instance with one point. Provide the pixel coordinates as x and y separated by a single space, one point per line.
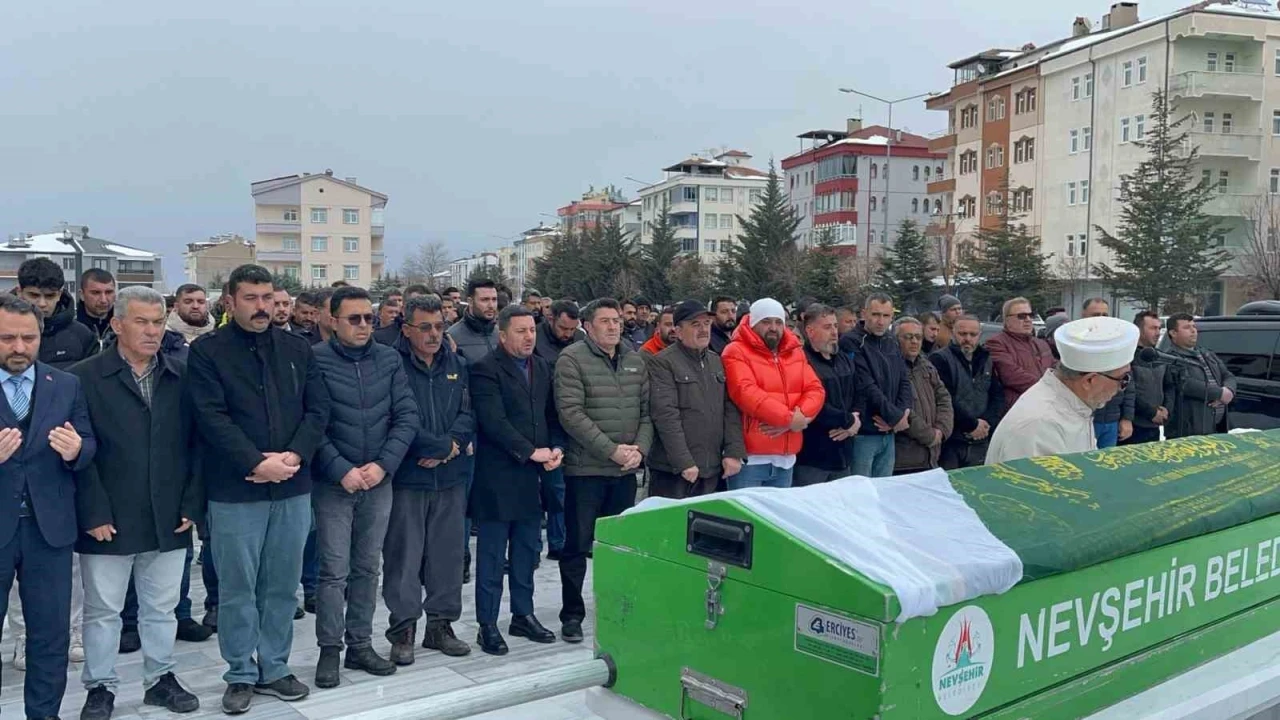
995 109
689 193
753 196
711 194
937 206
1027 196
1206 178
1124 130
1211 62
1024 150
926 173
873 203
1126 73
710 221
1142 69
350 244
292 271
1226 123
1083 251
1075 88
915 208
710 246
319 216
319 243
1278 62
1025 101
875 171
915 172
1084 192
1086 134
726 221
1208 121
886 171
1088 85
1275 181
1223 178
993 203
1071 246
350 217
1275 122
969 117
938 171
995 157
1229 62
350 272
1071 193
1074 143
726 194
1140 125
289 243
319 273
69 263
291 215
1246 354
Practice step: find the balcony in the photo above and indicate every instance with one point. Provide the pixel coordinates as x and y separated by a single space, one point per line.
378 258
1230 204
941 186
1244 82
377 221
1224 145
292 228
279 256
938 229
942 144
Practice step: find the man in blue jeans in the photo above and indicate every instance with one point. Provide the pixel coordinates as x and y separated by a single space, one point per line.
884 387
265 409
1112 423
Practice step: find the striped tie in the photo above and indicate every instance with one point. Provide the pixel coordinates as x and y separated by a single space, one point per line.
20 403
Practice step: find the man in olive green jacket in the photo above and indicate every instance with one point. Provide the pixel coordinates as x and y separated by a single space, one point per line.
699 429
602 395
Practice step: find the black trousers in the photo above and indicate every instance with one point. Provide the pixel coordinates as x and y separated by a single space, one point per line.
1142 435
586 499
495 539
668 485
44 584
957 455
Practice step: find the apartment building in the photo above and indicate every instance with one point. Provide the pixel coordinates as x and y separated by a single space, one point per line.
706 197
1082 101
875 175
460 270
75 251
532 244
594 208
628 217
319 228
208 263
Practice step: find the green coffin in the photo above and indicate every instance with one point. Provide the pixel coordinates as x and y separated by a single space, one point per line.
1139 563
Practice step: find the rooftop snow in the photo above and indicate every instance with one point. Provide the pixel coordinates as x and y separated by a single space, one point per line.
128 251
50 243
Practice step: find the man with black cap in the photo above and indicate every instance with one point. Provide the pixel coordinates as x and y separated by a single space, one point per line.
697 428
951 309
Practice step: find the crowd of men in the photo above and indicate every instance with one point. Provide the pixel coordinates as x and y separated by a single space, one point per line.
321 441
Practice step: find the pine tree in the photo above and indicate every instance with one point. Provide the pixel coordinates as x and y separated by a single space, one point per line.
691 279
906 270
658 257
608 262
762 261
820 272
491 272
1164 243
284 282
558 272
1001 263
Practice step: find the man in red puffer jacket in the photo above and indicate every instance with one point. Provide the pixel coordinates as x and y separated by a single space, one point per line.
775 389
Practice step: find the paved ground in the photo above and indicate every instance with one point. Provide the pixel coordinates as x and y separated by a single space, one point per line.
200 669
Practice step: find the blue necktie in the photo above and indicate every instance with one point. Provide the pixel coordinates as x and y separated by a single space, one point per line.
20 403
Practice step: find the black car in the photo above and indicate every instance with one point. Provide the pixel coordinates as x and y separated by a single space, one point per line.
1248 344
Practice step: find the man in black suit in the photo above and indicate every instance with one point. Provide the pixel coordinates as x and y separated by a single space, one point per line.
46 437
519 438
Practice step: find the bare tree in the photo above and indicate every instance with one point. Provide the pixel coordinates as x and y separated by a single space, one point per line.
946 253
425 261
1259 259
1072 270
858 277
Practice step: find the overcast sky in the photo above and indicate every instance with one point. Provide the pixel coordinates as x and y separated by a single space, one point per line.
146 119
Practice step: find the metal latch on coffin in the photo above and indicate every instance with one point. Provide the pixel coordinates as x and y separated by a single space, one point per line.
715 578
712 693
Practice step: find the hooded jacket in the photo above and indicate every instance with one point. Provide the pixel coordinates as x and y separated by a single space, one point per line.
883 386
653 345
101 327
720 339
65 342
190 332
767 387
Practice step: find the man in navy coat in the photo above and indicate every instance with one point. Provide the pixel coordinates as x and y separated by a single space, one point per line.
45 437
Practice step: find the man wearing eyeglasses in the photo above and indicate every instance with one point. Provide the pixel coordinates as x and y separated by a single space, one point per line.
373 420
1018 356
1055 416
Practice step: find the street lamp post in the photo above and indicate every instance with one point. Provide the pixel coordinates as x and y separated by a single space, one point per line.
888 150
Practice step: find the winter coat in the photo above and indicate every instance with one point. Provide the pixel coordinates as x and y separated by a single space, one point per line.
1153 388
373 416
694 420
881 373
1019 361
515 415
919 448
255 393
653 345
720 339
142 480
175 346
101 327
976 393
475 337
389 335
767 387
442 391
548 346
603 403
1119 407
64 341
189 332
839 382
1199 379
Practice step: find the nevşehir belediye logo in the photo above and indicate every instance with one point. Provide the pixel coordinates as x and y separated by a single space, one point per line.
962 660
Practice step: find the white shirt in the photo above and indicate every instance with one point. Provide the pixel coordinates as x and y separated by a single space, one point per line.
1048 419
782 462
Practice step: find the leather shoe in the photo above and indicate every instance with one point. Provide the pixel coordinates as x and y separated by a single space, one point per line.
571 631
490 640
527 626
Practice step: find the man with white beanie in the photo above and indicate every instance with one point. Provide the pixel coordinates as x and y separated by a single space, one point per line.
1055 416
776 391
